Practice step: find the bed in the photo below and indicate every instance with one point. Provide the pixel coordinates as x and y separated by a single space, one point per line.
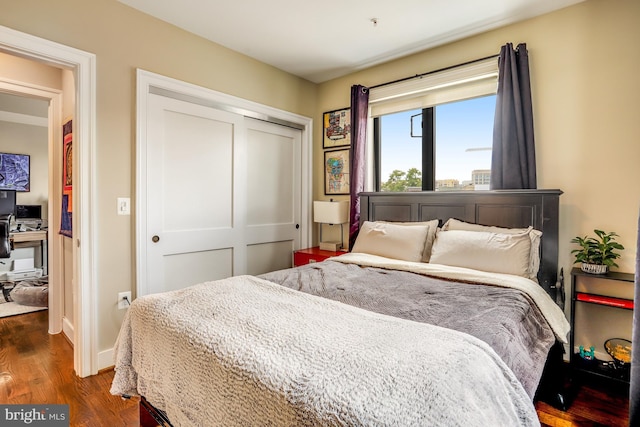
407 329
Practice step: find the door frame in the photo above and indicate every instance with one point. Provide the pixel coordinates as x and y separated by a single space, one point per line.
83 65
151 83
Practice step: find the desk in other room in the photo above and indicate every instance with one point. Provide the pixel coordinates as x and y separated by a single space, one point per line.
25 239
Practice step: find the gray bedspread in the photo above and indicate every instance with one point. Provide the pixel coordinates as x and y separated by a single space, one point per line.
504 318
244 351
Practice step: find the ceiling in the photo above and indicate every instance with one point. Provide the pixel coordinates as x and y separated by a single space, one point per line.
321 40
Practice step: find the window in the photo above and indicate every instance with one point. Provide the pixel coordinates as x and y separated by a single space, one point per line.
446 147
435 133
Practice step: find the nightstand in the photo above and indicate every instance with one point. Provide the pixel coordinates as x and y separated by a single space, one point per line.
309 255
601 308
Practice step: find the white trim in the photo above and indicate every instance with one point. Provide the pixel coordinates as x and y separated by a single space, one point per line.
105 358
84 250
55 245
68 330
148 83
85 298
23 119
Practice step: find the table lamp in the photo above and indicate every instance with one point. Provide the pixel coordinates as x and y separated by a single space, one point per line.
331 213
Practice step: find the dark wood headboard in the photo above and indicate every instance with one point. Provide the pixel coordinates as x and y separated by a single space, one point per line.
503 208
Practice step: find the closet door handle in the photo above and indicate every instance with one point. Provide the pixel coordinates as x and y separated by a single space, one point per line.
155 239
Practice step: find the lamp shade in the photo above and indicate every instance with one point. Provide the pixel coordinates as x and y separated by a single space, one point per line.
331 212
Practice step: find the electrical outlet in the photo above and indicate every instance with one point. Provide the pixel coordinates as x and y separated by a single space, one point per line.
124 300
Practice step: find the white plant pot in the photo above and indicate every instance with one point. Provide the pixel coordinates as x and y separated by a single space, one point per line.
594 268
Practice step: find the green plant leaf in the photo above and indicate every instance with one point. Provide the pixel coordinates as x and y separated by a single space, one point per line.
597 250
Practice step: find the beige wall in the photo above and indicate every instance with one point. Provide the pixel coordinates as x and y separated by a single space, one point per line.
122 40
584 71
24 70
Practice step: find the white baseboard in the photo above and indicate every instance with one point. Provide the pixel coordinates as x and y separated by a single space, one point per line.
105 359
67 329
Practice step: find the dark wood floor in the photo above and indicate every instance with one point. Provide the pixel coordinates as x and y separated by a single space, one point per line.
37 368
593 406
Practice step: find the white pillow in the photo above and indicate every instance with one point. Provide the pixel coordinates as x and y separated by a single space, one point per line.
404 242
485 251
431 234
534 236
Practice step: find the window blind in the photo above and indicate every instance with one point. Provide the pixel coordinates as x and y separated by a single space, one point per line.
455 84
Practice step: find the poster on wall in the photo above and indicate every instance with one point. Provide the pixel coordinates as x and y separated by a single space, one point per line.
66 222
14 172
336 129
336 172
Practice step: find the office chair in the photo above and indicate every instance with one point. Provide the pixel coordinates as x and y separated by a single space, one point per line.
5 241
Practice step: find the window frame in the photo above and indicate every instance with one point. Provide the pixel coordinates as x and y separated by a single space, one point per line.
428 150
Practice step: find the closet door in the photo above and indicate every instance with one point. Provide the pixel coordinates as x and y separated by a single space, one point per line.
191 219
273 173
221 195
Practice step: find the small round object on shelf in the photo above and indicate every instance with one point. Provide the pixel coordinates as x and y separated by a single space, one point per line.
620 350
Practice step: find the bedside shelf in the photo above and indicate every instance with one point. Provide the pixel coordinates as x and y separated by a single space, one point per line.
612 291
602 369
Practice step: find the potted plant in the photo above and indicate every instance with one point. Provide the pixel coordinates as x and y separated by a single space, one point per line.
597 254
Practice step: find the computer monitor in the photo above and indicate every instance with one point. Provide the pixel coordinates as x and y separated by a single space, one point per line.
28 212
7 202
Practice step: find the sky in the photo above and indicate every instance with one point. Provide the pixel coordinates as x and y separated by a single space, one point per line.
459 126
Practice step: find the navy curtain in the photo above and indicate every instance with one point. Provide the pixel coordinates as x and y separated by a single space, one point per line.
359 114
513 160
634 396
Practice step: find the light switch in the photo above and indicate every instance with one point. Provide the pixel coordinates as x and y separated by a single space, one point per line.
124 206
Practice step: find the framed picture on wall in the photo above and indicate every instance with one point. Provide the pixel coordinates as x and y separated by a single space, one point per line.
66 220
336 128
15 172
336 172
67 158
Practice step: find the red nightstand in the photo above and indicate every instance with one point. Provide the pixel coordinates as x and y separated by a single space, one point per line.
309 255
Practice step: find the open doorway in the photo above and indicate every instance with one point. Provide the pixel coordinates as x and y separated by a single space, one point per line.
22 102
81 66
24 203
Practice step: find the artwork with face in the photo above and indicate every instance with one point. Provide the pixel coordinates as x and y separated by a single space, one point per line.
336 166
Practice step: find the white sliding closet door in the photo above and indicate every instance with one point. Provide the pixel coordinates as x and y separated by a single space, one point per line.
222 194
273 195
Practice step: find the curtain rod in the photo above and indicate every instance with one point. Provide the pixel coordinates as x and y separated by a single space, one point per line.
432 72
